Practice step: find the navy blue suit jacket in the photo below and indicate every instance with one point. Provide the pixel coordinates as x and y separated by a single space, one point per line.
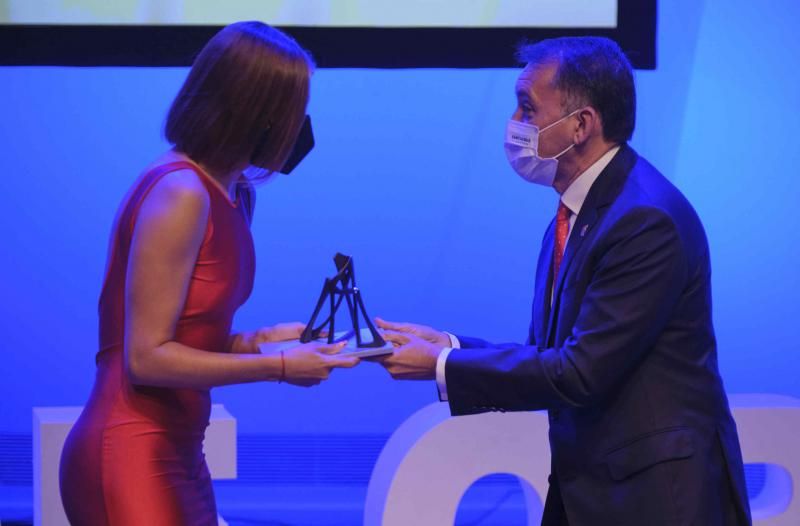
625 362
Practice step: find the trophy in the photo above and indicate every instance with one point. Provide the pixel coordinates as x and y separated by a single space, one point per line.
361 342
342 286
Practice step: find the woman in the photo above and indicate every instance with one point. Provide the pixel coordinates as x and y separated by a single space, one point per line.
180 263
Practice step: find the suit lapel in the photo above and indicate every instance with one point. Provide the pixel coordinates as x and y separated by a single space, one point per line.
603 192
541 296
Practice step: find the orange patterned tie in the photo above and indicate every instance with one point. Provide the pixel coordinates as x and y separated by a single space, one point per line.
562 229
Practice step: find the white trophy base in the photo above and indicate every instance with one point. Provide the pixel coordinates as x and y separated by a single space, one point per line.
350 349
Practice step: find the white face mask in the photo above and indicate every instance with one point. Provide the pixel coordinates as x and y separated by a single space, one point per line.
522 151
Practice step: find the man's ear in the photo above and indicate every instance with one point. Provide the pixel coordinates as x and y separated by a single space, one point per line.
588 124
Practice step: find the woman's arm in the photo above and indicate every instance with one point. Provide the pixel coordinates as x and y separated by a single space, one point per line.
167 237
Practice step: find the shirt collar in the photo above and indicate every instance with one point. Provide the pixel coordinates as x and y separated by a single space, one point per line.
574 196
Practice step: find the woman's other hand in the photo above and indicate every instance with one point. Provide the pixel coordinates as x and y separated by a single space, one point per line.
310 363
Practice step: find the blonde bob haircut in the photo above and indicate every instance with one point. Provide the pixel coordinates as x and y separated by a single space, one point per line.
246 92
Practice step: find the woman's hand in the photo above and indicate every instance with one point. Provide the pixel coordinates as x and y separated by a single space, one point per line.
311 363
247 342
279 333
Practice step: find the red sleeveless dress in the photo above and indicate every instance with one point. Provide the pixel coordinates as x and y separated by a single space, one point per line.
135 455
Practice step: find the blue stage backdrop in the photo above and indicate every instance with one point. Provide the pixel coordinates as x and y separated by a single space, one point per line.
409 177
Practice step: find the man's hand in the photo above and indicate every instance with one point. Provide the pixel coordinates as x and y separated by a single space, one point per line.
422 331
413 359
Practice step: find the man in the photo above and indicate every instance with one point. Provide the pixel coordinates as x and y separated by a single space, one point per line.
621 348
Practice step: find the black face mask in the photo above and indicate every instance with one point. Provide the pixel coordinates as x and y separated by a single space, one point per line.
303 145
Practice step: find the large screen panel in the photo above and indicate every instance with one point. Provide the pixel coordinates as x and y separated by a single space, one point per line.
340 33
325 13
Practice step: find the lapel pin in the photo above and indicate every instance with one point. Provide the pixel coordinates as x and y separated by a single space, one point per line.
584 228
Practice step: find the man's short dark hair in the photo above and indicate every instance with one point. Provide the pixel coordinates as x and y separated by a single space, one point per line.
590 71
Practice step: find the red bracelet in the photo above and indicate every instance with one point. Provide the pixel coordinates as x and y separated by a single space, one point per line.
283 369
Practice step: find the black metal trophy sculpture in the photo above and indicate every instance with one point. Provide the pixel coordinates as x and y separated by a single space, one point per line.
342 287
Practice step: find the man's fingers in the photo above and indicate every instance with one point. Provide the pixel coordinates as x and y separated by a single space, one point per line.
383 324
396 337
381 358
396 371
391 325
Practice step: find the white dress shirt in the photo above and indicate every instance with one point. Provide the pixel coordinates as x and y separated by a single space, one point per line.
573 198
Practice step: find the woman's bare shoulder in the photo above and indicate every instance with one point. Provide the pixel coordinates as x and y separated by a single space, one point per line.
181 190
